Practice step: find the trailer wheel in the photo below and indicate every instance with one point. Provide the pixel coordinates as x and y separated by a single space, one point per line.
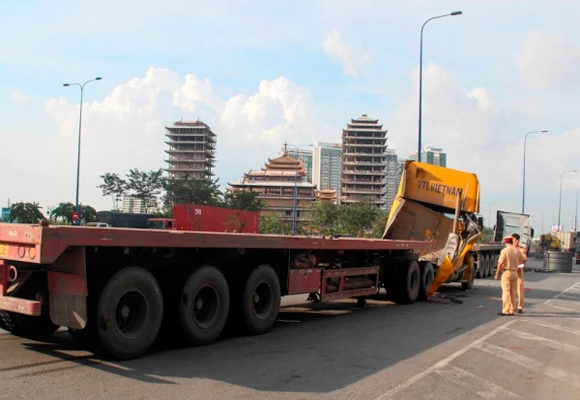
427 277
410 283
28 326
261 299
480 267
204 305
129 313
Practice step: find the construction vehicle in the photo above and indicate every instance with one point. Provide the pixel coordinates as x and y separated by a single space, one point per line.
114 287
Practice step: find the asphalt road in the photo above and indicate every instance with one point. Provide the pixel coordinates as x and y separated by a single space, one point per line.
434 350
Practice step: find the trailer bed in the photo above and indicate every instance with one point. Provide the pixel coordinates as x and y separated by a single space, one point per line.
43 245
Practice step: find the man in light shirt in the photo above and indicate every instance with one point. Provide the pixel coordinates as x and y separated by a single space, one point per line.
520 274
509 259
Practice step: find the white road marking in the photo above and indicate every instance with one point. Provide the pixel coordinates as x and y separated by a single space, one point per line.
567 348
473 383
568 297
563 308
553 326
443 363
530 363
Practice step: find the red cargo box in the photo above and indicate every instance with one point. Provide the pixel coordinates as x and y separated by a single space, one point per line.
192 217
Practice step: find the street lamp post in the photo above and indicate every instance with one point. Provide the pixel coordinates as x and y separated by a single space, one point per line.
524 177
98 78
294 206
576 213
421 78
560 202
489 213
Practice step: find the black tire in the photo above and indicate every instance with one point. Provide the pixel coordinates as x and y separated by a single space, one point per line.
410 283
487 266
261 300
468 285
204 306
480 267
28 326
427 277
129 314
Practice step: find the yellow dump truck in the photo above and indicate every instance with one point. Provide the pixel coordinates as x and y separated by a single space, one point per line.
441 205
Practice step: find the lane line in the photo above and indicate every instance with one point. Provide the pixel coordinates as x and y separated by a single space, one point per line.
553 326
443 363
469 381
566 348
531 364
564 308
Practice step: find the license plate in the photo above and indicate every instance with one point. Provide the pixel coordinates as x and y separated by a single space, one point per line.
4 249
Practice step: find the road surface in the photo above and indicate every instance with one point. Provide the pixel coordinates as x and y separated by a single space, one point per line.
434 350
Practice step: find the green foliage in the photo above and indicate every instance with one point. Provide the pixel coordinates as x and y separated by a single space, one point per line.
146 186
63 212
25 213
488 235
362 219
192 191
272 224
243 200
115 186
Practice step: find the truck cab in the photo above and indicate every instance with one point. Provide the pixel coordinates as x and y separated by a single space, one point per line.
162 223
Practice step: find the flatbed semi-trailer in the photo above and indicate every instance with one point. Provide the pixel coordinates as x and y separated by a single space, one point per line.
114 287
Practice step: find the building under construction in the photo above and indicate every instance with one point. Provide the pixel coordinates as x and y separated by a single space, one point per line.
191 150
364 144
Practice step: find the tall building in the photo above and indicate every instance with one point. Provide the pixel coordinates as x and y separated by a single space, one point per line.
305 156
327 166
392 177
431 155
133 205
364 143
191 150
275 186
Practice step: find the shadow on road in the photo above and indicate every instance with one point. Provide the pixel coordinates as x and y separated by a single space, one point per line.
309 350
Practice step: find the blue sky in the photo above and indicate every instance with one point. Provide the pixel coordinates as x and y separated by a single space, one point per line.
499 70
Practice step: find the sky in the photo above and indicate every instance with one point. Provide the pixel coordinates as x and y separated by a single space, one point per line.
261 73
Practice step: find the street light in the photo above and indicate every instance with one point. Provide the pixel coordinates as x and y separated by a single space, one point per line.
524 178
294 206
98 78
576 214
489 213
560 203
454 13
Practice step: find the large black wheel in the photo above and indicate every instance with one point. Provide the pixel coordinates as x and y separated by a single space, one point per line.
129 314
427 278
261 300
26 325
204 305
469 284
408 282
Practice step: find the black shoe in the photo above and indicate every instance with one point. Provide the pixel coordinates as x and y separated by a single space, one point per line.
500 313
520 311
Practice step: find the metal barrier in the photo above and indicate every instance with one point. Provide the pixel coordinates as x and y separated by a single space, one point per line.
560 261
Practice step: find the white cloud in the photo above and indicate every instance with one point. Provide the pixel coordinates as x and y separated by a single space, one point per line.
126 130
19 98
476 133
547 60
351 60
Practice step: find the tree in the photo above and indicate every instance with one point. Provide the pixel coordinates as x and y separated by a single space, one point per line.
63 212
488 235
87 213
192 191
379 224
271 223
25 213
115 186
244 200
146 186
359 217
326 217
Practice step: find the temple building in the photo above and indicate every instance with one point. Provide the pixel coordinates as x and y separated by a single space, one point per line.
364 144
327 195
275 183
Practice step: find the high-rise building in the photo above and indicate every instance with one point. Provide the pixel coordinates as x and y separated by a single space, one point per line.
392 177
275 185
364 143
305 156
191 151
327 166
132 204
431 155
